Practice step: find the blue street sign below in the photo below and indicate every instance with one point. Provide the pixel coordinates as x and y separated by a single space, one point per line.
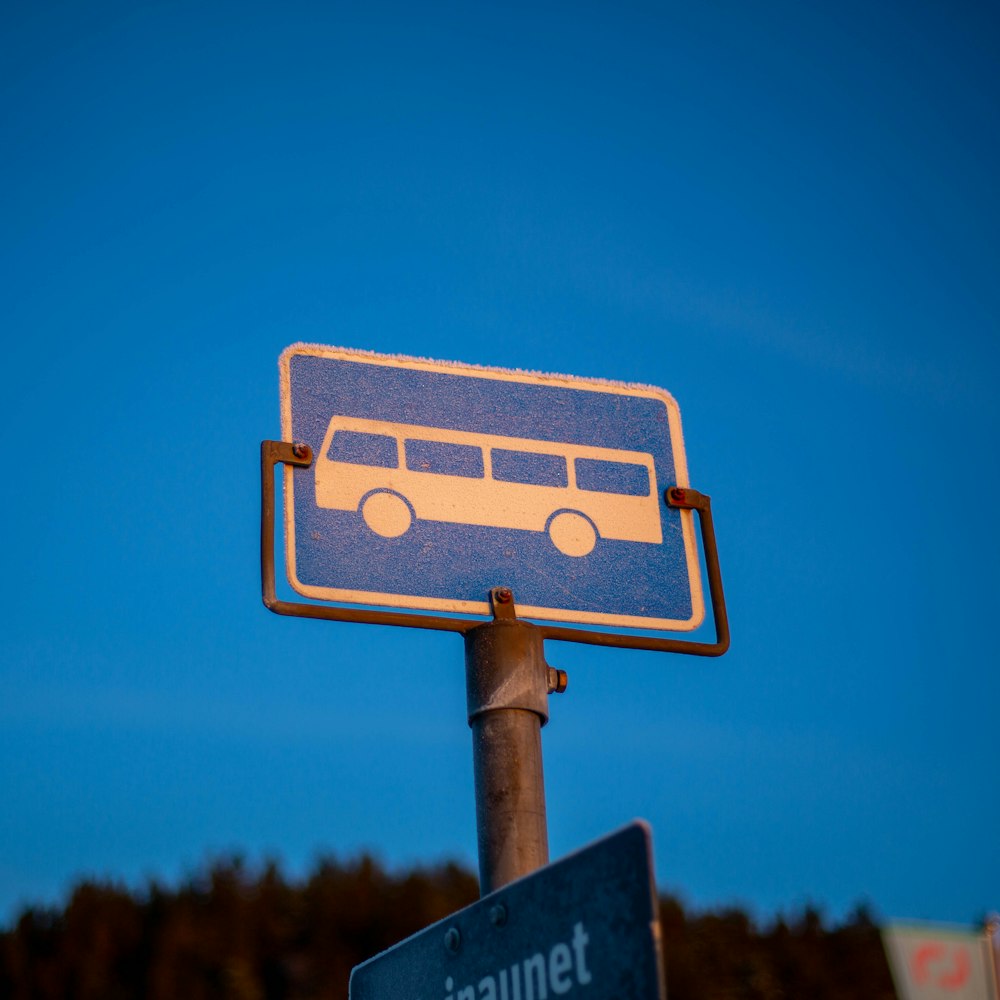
586 926
433 482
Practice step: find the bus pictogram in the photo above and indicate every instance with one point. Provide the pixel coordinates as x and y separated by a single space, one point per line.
395 474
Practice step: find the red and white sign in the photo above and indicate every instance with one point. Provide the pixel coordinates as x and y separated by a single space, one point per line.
940 963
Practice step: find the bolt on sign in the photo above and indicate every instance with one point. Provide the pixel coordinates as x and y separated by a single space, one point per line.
931 962
585 926
434 482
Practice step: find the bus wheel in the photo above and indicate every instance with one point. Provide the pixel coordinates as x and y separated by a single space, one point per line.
387 514
572 534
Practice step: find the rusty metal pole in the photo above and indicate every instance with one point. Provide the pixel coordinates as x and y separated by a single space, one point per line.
992 933
507 687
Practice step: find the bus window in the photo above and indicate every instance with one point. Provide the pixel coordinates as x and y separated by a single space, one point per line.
624 478
444 458
529 467
359 448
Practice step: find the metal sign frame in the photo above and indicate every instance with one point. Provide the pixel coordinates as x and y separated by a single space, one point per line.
273 453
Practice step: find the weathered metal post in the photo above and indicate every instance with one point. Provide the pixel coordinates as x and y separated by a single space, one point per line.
507 686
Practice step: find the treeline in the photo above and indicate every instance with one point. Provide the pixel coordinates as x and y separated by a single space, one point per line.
234 933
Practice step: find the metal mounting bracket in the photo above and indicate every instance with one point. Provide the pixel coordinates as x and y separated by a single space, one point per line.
274 452
271 453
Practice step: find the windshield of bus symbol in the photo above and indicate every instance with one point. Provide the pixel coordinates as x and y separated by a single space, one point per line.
398 473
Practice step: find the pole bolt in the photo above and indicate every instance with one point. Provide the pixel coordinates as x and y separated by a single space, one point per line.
452 939
300 450
558 680
498 915
503 595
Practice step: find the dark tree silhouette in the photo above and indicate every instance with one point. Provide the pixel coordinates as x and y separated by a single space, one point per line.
241 934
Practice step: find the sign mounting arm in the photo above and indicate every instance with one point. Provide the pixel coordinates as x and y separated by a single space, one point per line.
274 452
271 454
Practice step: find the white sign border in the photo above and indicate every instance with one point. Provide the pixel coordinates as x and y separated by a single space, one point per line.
451 606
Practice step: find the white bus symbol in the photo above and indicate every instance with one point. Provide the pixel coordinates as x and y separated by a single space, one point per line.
395 473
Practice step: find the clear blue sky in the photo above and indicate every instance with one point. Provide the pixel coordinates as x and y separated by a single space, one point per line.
784 214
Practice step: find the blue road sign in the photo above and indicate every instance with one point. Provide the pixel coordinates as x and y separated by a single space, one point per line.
586 926
433 482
